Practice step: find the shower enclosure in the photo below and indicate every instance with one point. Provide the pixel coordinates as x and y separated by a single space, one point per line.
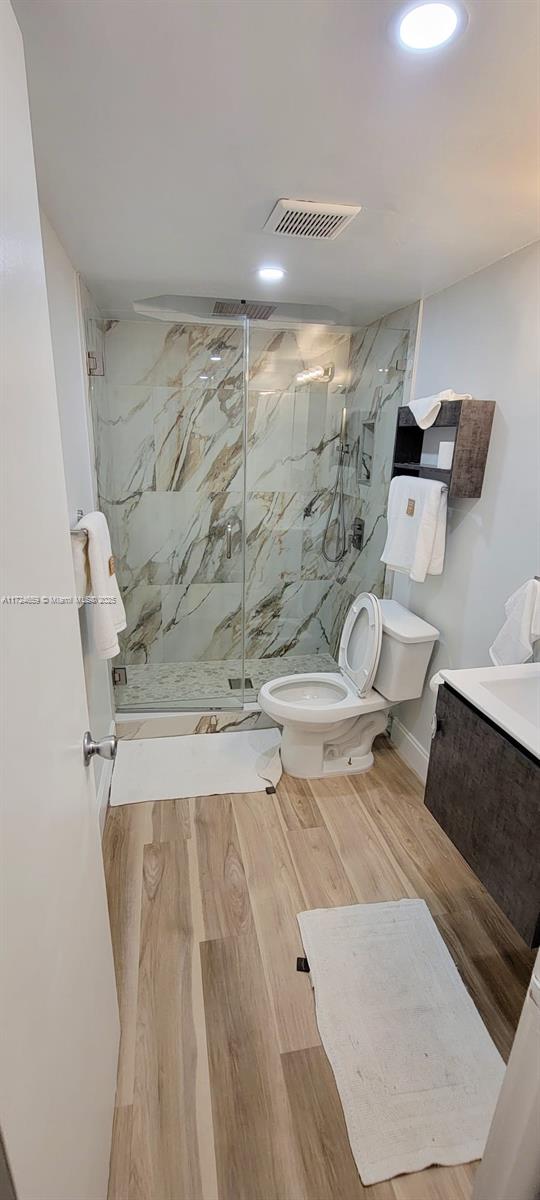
218 449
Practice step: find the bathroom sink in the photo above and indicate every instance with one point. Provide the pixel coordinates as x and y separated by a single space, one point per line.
509 696
523 695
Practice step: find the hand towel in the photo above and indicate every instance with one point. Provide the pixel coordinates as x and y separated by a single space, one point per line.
426 409
416 537
106 612
514 642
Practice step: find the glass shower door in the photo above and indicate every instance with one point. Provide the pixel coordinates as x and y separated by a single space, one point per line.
170 435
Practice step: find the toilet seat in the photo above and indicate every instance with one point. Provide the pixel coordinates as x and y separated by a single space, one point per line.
326 698
316 699
361 640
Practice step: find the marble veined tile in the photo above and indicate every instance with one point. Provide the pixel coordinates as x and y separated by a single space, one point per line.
177 724
374 354
202 621
278 355
270 440
124 443
380 372
273 537
316 513
173 537
140 642
292 438
333 613
158 354
285 619
198 436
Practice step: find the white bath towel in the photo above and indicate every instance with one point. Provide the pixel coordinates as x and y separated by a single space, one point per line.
515 641
416 537
426 409
107 613
81 566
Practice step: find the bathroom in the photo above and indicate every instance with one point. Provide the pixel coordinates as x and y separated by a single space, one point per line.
272 518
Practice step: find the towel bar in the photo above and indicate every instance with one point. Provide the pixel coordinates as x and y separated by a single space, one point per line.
75 532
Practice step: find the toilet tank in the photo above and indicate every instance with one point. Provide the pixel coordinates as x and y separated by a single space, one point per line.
407 643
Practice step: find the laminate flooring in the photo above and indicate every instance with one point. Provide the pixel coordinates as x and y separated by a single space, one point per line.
224 1090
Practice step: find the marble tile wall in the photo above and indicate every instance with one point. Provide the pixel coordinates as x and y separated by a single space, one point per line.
380 372
169 434
170 462
292 434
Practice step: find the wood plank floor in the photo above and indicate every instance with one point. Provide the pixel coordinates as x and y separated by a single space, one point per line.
224 1091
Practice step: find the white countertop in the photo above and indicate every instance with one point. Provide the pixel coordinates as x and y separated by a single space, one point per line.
509 696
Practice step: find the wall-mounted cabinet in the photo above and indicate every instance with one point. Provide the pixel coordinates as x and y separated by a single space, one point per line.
454 449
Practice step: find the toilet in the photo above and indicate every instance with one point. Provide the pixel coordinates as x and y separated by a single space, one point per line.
330 719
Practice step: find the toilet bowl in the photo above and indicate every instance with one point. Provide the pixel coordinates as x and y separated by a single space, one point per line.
330 719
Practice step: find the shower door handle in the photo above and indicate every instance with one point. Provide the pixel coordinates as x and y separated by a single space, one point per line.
228 541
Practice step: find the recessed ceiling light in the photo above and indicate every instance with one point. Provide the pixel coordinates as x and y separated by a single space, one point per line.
271 274
429 25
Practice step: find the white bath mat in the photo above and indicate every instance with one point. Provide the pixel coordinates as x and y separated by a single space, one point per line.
416 1070
205 764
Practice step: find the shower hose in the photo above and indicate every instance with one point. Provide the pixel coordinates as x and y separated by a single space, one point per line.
337 498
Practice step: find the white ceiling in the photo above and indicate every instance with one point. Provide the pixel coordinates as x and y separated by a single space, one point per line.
165 130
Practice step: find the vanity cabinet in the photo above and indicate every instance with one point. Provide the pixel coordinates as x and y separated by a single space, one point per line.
484 790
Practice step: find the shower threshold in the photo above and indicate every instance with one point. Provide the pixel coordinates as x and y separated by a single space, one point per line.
210 685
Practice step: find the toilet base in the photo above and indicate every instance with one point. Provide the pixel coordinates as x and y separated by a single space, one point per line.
353 764
306 754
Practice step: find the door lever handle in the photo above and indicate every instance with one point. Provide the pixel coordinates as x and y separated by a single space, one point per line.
106 748
228 541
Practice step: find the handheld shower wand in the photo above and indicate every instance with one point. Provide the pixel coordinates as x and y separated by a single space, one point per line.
338 496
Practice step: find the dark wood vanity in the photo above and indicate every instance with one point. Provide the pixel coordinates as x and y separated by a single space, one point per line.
484 790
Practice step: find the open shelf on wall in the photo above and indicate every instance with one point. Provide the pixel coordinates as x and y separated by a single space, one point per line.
466 424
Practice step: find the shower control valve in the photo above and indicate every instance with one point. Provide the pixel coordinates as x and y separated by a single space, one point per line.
357 538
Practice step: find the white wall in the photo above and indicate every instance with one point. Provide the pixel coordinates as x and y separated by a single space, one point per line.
62 291
481 336
75 425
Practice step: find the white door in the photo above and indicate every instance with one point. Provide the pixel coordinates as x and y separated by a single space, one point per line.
59 1018
511 1163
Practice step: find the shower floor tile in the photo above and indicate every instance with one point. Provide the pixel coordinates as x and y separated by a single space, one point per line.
207 684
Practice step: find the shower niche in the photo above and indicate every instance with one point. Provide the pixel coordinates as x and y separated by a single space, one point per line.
366 451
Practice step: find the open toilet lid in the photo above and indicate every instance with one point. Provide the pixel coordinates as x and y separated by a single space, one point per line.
360 645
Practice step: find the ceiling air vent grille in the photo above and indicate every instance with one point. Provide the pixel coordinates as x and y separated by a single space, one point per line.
309 219
254 309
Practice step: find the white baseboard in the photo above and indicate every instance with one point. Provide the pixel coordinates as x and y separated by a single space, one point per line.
104 786
410 749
